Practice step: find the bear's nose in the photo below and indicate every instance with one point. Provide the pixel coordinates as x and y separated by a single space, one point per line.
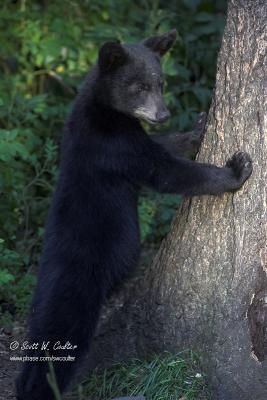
162 116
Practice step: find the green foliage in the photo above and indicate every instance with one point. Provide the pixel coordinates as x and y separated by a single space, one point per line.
147 211
46 50
155 214
15 287
160 377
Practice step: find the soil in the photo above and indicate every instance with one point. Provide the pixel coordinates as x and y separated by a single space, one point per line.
8 368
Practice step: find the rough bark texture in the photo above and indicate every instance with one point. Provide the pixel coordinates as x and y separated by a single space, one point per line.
207 287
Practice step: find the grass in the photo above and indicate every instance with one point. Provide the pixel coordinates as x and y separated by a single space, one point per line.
160 377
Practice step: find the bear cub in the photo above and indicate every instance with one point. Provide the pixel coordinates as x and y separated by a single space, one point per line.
91 239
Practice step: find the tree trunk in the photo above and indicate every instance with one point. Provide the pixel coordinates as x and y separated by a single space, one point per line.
207 287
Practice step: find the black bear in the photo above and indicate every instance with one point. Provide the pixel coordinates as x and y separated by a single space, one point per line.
91 241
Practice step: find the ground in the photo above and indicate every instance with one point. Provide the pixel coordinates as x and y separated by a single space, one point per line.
8 368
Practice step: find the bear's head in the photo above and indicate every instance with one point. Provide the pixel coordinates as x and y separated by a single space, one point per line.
131 77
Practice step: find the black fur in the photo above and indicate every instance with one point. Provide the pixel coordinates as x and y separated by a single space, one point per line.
92 236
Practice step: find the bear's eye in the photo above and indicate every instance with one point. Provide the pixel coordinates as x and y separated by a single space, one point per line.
143 88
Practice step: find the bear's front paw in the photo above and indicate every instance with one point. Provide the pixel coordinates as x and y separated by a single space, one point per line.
241 165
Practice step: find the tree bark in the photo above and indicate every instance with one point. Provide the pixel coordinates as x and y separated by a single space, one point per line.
207 287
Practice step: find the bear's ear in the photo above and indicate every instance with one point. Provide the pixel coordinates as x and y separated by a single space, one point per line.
161 44
111 55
